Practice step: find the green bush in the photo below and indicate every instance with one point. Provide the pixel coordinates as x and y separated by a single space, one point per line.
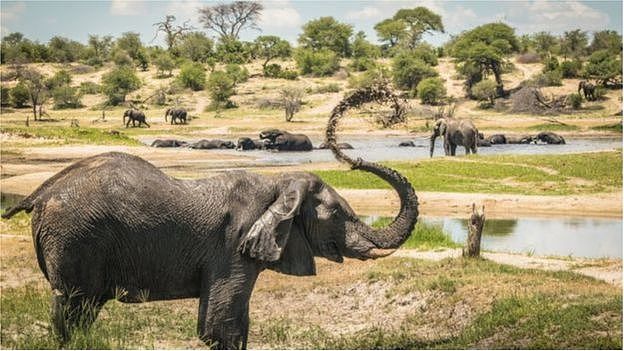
4 95
193 76
221 86
485 91
431 90
600 93
328 88
19 95
570 69
575 100
238 73
272 71
317 62
232 51
117 83
289 74
164 63
60 78
89 88
121 58
549 79
408 71
550 64
66 97
374 75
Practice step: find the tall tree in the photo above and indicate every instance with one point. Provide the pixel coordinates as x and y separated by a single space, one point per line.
607 40
327 33
172 32
573 43
407 27
545 43
35 83
270 47
195 46
227 20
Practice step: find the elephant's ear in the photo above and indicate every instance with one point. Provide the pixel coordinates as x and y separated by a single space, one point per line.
267 238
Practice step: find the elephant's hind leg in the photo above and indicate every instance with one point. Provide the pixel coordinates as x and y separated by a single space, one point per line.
72 310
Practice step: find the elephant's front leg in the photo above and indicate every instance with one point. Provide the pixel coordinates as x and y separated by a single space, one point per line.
223 321
447 147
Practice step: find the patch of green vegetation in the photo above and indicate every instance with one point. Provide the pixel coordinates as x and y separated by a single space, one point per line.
617 127
512 174
551 127
73 135
426 236
19 224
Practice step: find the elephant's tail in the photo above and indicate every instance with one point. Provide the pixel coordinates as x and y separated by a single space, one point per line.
25 204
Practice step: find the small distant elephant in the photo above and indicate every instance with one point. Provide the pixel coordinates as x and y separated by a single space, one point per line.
497 139
168 143
212 144
282 140
134 116
588 90
549 138
407 144
455 132
245 144
176 113
341 146
523 139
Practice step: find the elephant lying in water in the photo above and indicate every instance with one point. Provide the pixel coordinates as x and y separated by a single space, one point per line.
522 139
250 144
549 138
282 140
212 144
168 143
341 146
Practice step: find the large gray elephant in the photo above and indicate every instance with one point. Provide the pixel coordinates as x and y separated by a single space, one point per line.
176 114
587 89
114 226
212 144
282 140
497 139
455 132
244 144
134 115
521 139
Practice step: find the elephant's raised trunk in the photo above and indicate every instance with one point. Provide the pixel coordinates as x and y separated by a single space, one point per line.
391 237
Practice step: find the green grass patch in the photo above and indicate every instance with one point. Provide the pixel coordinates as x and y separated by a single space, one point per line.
552 127
512 174
70 135
426 236
617 127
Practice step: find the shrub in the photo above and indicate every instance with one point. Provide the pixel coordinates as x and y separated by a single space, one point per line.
549 79
600 93
89 88
328 88
164 63
221 87
570 69
60 78
66 97
575 101
317 62
193 76
232 51
117 83
426 53
408 71
19 95
4 95
529 57
289 74
238 73
431 90
485 91
121 58
272 71
373 76
550 64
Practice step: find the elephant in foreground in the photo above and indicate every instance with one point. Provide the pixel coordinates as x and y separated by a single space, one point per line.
168 143
207 238
176 114
245 144
455 132
282 140
341 146
549 138
133 116
212 144
587 89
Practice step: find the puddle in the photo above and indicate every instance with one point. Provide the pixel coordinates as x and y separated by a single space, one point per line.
576 237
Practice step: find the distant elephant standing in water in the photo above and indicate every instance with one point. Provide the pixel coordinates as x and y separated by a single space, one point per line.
168 143
245 144
212 144
549 138
134 116
588 90
176 113
282 140
455 132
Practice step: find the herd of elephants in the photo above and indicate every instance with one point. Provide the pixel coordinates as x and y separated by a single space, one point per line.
114 226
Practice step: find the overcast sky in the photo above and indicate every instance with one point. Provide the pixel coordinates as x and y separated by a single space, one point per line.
41 20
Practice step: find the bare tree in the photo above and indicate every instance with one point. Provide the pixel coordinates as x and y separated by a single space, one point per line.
172 31
37 89
291 101
227 20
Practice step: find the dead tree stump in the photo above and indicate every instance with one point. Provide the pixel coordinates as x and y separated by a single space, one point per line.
475 227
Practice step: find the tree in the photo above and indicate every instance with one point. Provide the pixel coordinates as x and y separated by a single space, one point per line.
271 47
431 90
195 46
573 43
227 20
291 99
221 87
65 50
545 44
172 32
34 82
485 91
232 51
117 83
607 40
99 49
15 49
327 33
19 95
239 74
390 31
407 27
364 53
319 63
193 75
487 49
130 42
164 63
408 71
604 67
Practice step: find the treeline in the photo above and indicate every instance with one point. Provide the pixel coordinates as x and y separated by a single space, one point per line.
481 54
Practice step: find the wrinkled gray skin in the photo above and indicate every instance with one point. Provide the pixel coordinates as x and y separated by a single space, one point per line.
341 146
245 144
497 139
282 140
588 90
212 144
407 144
114 226
134 116
176 114
456 132
549 138
523 139
168 143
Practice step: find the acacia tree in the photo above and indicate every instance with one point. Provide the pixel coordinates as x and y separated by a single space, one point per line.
327 33
291 99
573 43
487 49
172 32
407 26
227 20
270 47
35 83
545 43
